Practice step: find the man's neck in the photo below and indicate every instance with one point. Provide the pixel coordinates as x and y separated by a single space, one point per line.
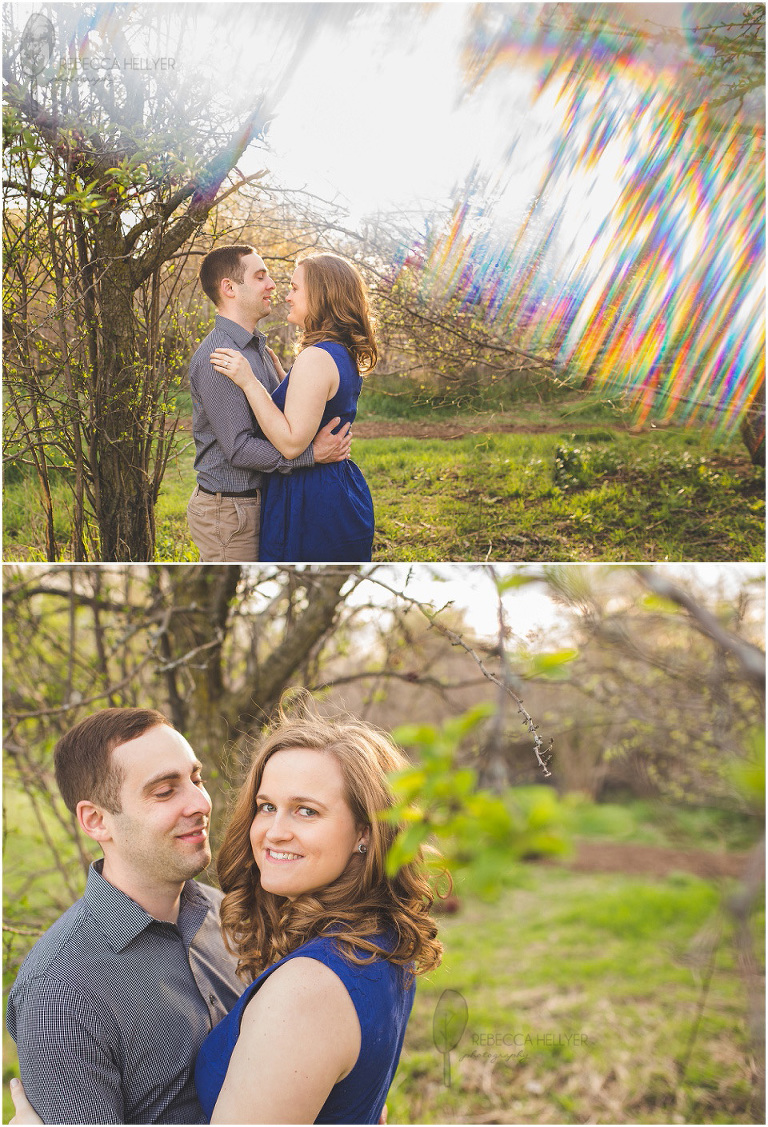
240 319
162 902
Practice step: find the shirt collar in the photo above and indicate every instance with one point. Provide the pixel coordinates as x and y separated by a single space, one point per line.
121 918
239 335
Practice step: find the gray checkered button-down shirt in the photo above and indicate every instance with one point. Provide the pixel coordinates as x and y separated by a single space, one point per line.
230 457
111 1007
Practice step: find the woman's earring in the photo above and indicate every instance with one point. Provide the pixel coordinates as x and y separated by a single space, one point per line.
362 848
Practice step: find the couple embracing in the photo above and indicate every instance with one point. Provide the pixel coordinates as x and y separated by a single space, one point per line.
282 998
274 477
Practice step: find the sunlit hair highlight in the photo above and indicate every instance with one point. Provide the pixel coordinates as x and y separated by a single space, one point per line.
337 308
261 927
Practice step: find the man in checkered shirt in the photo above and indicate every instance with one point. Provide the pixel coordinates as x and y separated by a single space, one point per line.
112 1004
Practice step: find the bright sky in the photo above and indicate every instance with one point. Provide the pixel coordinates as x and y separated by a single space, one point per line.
377 115
383 124
382 118
374 111
530 609
378 112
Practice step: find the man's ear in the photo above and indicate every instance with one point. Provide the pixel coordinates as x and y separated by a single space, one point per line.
91 819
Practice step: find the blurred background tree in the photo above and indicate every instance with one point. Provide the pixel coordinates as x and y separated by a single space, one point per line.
640 696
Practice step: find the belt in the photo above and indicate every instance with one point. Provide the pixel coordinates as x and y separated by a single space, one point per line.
224 493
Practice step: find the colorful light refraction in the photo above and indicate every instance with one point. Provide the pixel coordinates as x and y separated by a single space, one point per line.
665 308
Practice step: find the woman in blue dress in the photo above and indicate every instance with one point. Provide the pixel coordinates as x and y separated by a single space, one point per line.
329 940
323 513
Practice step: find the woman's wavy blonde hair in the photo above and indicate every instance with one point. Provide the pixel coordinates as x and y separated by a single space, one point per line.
337 308
261 927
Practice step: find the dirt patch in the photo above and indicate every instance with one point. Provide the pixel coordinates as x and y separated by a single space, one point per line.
652 860
398 428
445 431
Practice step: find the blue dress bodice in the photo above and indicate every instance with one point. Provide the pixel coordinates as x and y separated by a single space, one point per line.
382 1001
324 513
344 402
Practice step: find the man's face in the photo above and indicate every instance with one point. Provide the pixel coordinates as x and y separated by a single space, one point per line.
251 298
161 832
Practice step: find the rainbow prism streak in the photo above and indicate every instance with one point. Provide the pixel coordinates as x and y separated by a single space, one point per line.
665 307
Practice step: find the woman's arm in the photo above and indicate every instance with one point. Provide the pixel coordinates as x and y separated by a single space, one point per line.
314 380
299 1036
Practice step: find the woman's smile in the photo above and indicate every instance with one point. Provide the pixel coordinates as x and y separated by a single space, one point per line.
281 855
302 815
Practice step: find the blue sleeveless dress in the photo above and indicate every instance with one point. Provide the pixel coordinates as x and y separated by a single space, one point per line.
383 1005
322 514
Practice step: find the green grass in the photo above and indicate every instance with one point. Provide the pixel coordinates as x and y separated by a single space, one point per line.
582 994
568 495
173 543
654 497
662 824
391 397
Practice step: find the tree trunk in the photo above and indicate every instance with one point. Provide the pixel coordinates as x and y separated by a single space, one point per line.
216 717
123 487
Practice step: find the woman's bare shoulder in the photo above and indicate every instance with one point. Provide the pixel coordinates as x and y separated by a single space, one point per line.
306 975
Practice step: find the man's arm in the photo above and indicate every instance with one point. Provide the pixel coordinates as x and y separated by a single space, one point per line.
235 428
233 424
330 447
69 1072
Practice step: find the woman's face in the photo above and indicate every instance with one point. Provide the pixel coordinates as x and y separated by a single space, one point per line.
297 298
304 834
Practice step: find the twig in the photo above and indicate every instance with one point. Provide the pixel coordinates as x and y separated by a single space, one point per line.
22 930
456 640
751 658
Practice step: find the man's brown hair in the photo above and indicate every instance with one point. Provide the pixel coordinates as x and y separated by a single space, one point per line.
85 770
224 262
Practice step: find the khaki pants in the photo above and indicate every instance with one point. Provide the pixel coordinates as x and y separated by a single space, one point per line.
225 529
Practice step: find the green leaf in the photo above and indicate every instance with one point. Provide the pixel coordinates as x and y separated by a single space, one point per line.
408 783
405 847
657 603
548 665
511 582
409 735
458 727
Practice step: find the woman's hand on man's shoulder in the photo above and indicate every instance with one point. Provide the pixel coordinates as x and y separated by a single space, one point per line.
25 1113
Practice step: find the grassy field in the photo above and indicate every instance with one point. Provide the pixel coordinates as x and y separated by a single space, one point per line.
583 990
583 995
567 495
